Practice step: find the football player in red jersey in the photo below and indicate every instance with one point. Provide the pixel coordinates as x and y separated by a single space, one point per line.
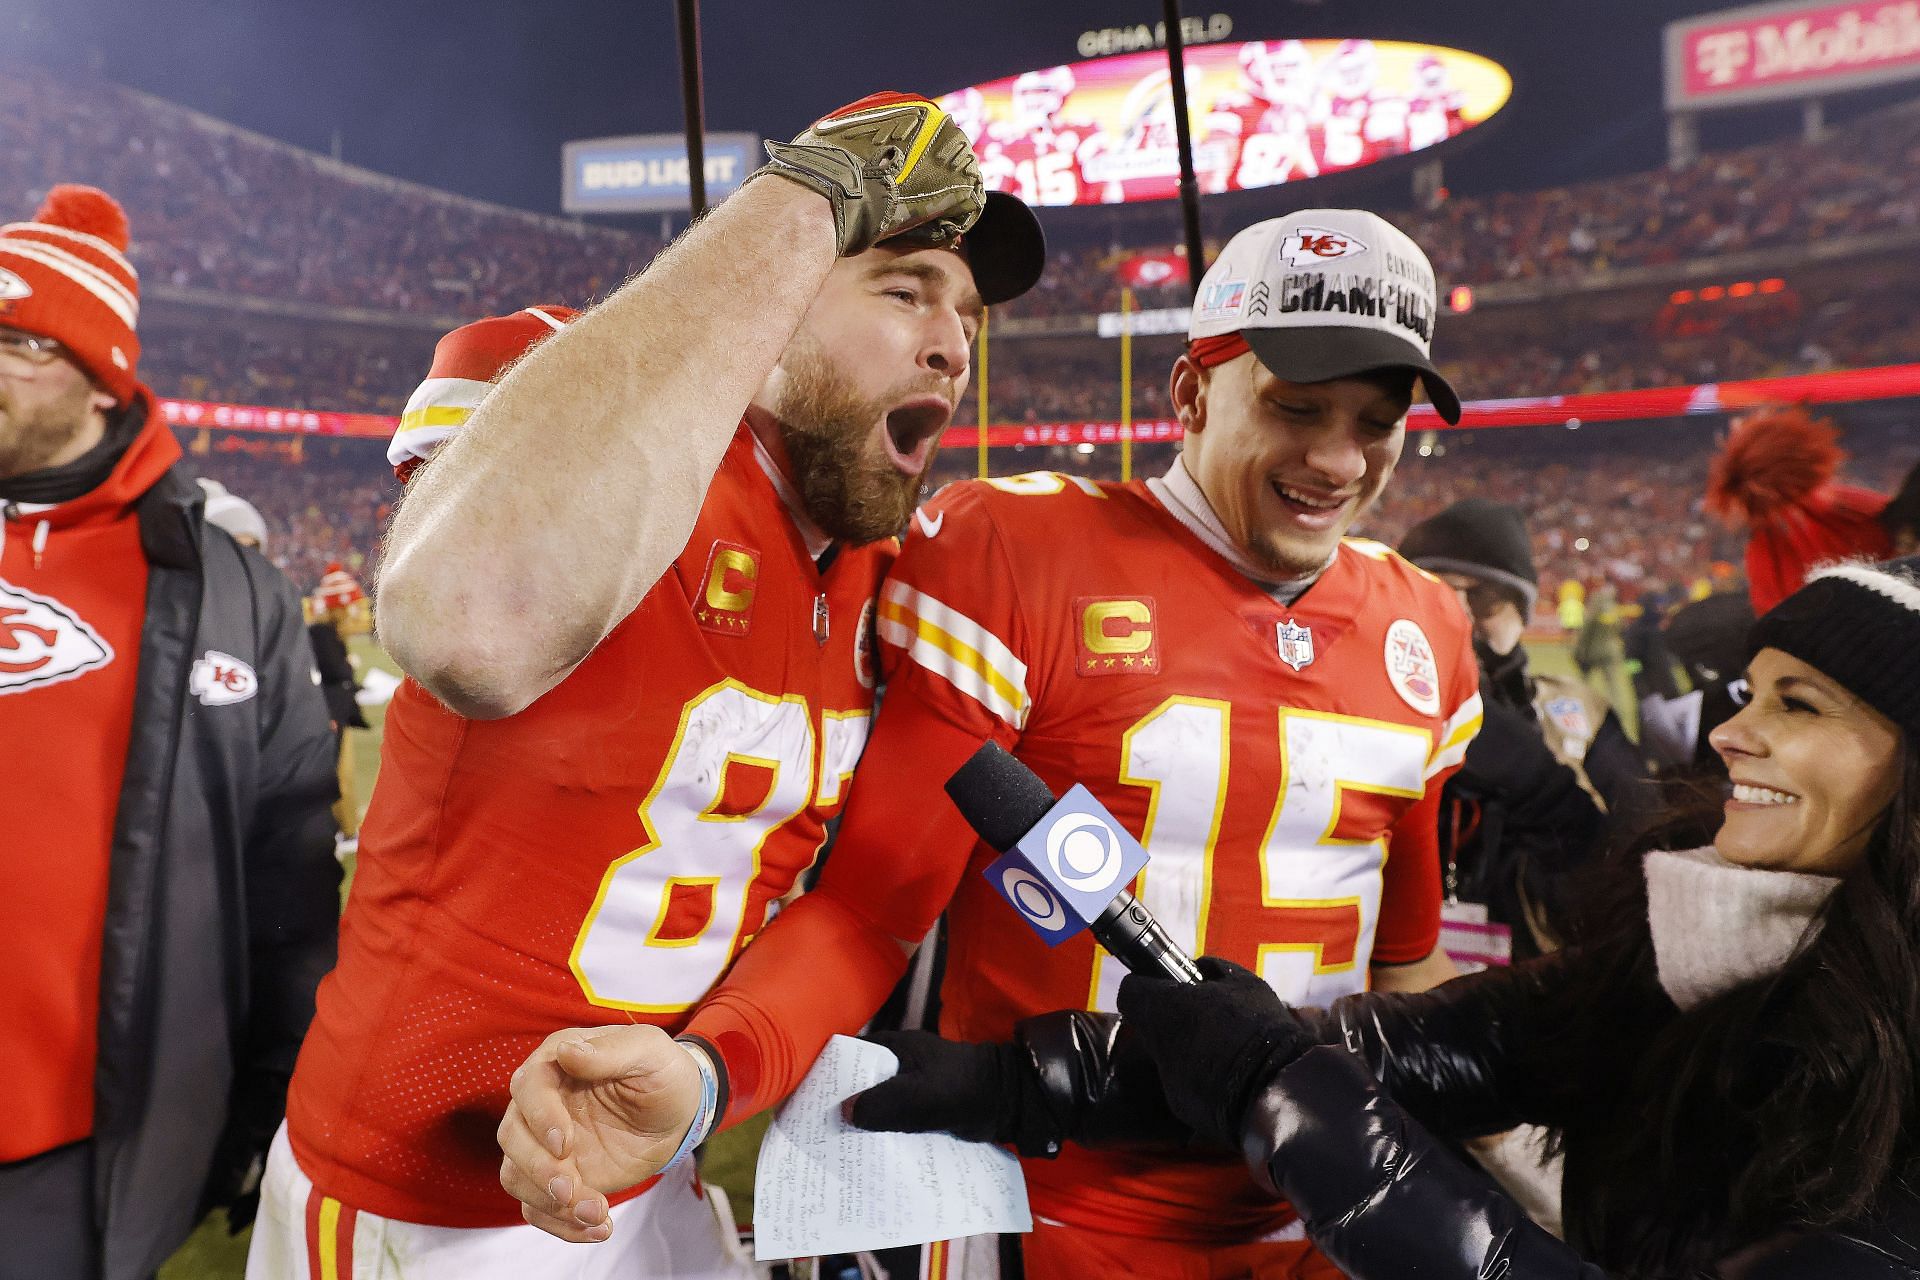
1270 706
1359 121
631 589
1041 156
1435 110
1262 134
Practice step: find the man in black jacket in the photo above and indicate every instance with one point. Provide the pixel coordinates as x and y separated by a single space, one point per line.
1529 808
172 898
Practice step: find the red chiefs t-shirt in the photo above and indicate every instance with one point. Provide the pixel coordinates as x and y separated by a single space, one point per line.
73 584
601 855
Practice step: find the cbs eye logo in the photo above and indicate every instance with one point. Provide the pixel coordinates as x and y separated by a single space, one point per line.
1084 854
1032 898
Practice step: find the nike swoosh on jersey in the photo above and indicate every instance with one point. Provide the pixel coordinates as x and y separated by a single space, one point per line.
929 527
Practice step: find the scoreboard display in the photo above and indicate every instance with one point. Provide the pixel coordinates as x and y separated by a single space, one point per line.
1262 113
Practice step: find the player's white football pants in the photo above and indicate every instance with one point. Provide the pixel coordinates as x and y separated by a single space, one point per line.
673 1232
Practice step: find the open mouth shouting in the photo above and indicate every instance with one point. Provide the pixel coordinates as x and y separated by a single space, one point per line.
913 430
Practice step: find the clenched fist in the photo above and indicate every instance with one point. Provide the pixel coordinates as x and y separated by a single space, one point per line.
891 164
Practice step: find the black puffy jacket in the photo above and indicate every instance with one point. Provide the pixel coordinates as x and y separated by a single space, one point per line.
1381 1194
1336 1134
223 893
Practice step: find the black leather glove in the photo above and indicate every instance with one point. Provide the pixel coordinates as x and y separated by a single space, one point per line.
1068 1076
1215 1044
980 1092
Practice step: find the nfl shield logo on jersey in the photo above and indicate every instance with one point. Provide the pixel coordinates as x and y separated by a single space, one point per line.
1296 644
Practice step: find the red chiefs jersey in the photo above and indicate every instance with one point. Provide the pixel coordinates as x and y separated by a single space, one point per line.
1043 167
1250 142
1434 117
1281 764
1360 130
601 855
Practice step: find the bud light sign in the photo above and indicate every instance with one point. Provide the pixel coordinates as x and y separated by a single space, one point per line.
647 173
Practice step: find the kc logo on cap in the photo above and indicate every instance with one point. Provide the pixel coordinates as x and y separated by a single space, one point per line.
1309 246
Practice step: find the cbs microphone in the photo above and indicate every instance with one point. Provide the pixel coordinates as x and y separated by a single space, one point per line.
1066 862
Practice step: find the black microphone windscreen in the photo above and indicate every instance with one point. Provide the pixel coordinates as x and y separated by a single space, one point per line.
999 797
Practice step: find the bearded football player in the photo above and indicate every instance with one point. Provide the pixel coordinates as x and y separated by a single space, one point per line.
630 589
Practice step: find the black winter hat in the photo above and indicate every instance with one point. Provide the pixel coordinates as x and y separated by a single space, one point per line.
1479 538
1859 624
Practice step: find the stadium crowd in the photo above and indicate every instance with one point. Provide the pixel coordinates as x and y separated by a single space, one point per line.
328 505
1049 379
227 211
224 210
1616 512
1858 180
221 210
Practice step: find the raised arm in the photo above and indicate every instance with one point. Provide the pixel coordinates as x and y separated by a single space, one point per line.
577 481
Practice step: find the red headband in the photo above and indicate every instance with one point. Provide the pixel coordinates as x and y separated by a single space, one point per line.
1208 352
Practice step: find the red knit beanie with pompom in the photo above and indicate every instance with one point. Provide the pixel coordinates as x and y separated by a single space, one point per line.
65 276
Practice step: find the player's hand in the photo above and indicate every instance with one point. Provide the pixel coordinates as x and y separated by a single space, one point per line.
1215 1044
594 1110
891 164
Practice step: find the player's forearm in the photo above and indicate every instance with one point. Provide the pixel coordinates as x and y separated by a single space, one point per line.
576 483
819 970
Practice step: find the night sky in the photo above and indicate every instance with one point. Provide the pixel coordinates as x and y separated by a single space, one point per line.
477 96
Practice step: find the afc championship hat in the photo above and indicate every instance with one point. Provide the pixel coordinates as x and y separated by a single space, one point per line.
1322 294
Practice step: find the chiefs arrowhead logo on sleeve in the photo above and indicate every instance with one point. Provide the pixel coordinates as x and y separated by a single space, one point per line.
44 642
1117 637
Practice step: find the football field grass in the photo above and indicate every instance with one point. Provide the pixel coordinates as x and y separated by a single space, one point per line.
728 1161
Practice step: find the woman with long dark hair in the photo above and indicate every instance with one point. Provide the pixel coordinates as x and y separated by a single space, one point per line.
1729 1064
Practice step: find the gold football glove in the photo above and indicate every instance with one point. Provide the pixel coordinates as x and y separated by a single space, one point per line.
891 164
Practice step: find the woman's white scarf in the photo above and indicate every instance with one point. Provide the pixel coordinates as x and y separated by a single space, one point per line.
1717 925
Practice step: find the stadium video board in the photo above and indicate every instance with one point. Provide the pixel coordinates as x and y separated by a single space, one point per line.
1262 113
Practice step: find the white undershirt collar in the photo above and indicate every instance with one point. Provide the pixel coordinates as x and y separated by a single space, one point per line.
1181 495
810 533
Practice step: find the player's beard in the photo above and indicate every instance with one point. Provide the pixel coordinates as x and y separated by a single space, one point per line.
846 482
31 439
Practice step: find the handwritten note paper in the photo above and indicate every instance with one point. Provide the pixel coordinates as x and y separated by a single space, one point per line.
825 1187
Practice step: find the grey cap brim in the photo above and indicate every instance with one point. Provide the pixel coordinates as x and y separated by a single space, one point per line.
1325 352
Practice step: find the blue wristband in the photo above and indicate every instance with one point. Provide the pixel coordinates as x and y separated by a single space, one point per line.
703 1118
